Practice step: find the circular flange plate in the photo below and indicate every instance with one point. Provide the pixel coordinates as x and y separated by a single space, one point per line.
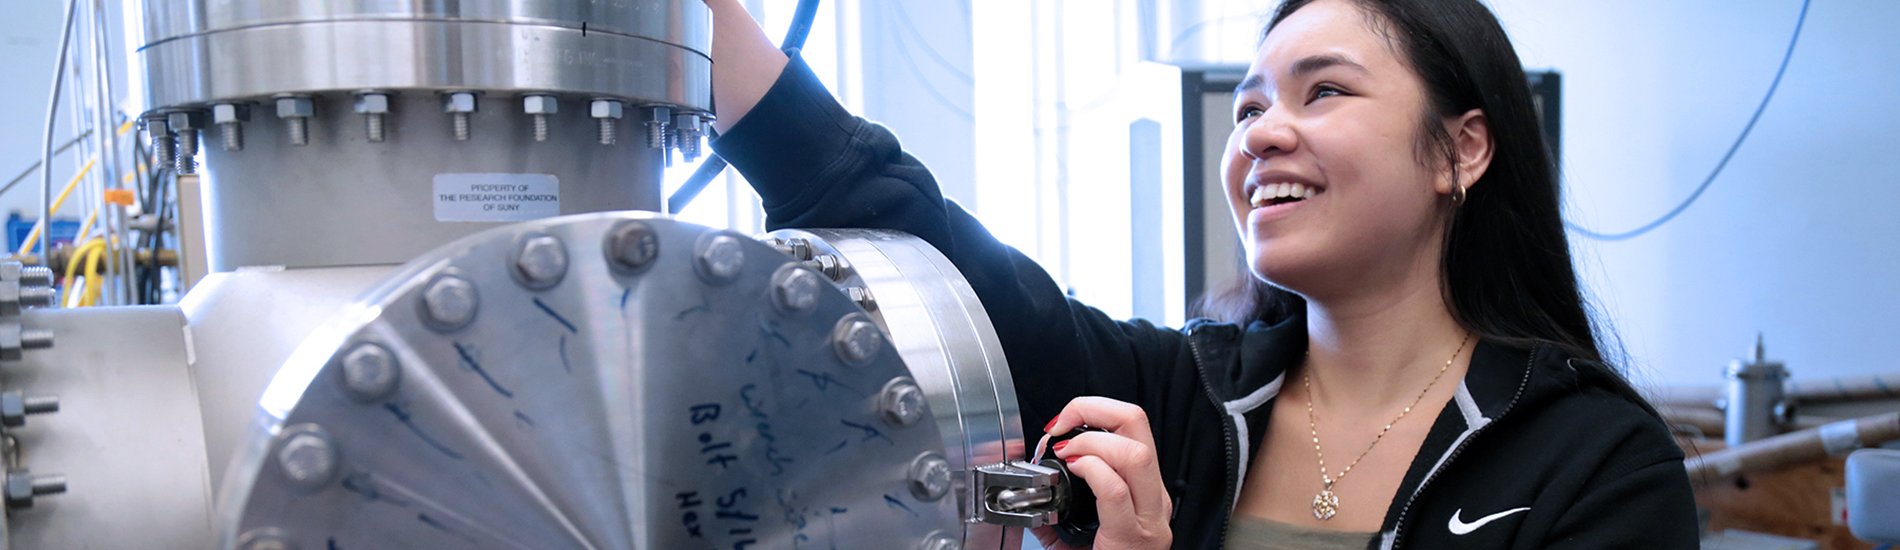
659 407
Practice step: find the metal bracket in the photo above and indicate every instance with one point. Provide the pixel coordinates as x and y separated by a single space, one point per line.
1021 494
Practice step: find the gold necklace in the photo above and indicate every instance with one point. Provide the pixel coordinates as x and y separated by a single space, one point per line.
1326 504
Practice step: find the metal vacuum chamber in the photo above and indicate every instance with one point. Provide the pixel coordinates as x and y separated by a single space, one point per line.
436 315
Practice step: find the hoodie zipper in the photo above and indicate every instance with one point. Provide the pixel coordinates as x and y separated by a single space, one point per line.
1398 528
1230 431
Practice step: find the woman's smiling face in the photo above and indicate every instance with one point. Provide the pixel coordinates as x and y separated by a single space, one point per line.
1323 171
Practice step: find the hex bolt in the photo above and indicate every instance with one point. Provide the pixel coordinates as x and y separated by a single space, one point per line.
267 538
658 117
862 297
718 258
230 118
14 407
186 124
930 477
902 402
450 302
22 486
795 289
539 107
370 372
541 260
458 105
307 456
374 106
833 267
295 110
936 541
686 126
607 113
36 276
856 340
160 133
631 246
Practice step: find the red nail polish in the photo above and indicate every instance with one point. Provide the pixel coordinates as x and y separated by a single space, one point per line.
1071 460
1058 446
1052 424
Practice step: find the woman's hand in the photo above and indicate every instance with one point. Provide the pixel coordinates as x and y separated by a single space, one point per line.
1120 466
745 63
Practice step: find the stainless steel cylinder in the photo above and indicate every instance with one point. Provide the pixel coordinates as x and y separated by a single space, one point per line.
650 51
1754 407
938 325
313 189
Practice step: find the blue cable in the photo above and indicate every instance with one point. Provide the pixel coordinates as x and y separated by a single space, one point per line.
1706 182
802 18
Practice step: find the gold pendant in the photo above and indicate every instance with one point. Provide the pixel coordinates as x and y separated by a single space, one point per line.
1325 504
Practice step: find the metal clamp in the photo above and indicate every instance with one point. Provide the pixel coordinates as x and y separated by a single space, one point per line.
1021 494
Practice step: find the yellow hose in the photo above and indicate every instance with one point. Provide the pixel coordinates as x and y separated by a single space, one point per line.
94 286
34 236
72 264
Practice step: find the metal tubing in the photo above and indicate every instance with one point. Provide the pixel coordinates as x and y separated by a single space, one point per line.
46 148
1793 448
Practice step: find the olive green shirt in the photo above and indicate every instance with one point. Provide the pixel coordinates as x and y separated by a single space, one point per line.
1252 533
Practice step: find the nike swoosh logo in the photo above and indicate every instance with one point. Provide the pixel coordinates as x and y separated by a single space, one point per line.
1459 527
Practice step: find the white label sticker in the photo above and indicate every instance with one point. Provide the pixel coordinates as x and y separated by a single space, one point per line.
496 197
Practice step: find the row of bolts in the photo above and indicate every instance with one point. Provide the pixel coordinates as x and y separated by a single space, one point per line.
308 456
666 127
27 286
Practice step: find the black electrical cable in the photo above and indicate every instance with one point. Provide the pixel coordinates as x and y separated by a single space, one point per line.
30 168
1706 182
802 17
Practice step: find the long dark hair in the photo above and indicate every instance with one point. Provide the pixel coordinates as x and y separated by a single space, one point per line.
1506 273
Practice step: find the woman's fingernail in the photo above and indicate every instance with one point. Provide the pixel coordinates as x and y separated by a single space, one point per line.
1071 460
1058 446
1052 424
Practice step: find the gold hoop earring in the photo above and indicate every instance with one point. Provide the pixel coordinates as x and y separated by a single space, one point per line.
1458 195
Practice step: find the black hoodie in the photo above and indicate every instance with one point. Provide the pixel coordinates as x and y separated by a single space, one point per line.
1531 453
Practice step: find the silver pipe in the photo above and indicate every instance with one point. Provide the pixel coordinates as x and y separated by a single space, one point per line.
109 140
46 147
95 193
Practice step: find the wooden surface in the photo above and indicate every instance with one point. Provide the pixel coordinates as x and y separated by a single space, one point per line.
1794 502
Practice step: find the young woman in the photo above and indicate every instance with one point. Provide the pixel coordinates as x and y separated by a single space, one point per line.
1411 363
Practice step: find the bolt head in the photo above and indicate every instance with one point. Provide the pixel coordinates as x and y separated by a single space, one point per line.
541 261
19 488
268 538
372 104
370 372
930 477
540 105
450 302
795 289
458 102
606 108
306 456
938 541
856 340
185 120
902 402
294 107
12 409
719 258
686 121
229 113
631 246
660 113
